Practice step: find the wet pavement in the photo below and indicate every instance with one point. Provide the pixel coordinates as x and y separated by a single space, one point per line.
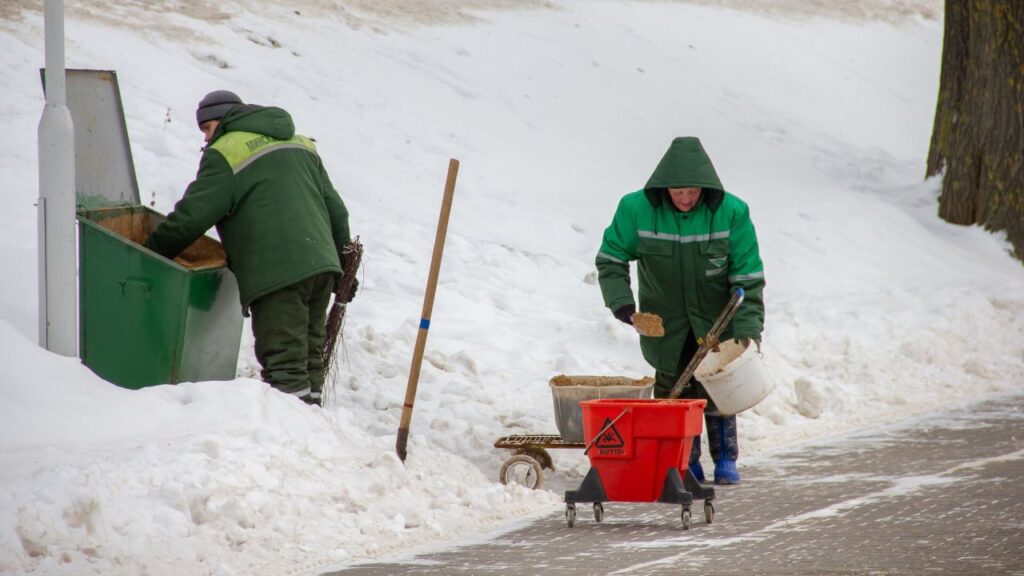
942 494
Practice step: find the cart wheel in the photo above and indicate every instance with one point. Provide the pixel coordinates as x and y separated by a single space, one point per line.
540 455
523 470
570 514
709 512
686 519
598 512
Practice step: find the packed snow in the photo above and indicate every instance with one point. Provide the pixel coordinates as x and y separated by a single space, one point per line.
819 118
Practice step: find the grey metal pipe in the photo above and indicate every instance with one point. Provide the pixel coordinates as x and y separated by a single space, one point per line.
58 297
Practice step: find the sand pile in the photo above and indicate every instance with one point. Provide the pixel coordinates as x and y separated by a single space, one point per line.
600 381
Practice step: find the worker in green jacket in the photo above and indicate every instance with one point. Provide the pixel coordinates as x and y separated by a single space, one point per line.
283 227
694 245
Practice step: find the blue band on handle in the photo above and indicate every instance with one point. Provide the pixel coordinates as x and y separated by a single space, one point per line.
739 292
424 324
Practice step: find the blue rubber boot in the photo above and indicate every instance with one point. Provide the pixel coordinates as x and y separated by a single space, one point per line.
726 473
698 471
724 447
695 467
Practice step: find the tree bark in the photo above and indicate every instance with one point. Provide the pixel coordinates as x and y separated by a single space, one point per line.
978 135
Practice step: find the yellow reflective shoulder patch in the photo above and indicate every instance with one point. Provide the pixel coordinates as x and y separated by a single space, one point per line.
241 148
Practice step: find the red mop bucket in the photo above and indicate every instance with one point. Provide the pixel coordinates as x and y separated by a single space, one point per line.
633 443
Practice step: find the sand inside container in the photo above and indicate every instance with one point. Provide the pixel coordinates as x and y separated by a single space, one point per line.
136 227
563 380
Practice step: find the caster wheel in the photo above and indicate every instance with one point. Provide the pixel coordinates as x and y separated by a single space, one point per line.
687 520
598 511
709 512
523 470
570 515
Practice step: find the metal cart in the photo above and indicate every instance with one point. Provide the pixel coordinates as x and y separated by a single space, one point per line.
529 457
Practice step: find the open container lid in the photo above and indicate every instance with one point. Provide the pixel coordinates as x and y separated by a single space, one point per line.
104 170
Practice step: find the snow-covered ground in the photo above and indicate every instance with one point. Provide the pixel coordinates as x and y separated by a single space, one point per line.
819 117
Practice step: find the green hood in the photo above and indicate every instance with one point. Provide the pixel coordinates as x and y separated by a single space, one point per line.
685 165
269 121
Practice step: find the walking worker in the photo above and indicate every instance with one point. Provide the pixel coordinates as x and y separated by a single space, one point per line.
282 224
694 244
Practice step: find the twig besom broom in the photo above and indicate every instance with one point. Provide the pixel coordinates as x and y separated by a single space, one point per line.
351 257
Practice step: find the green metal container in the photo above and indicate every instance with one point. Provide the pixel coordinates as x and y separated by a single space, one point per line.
143 319
148 320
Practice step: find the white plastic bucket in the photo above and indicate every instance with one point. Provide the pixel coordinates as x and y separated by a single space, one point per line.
734 377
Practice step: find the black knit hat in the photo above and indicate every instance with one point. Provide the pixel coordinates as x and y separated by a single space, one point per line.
215 105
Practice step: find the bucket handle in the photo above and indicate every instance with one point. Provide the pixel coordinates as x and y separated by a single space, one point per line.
605 429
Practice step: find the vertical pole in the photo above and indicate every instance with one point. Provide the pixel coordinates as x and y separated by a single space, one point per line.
58 300
428 306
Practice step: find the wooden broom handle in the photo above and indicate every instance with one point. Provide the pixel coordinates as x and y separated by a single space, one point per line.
428 305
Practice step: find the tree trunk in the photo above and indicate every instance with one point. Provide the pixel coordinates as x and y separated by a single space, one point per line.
978 135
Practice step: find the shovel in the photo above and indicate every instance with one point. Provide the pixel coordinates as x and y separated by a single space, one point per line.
708 342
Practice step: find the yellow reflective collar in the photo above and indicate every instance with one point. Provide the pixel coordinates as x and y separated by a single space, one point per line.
243 148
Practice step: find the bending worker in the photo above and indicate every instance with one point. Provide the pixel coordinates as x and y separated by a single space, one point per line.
283 227
694 244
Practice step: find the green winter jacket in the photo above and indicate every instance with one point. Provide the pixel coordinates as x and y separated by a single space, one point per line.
688 264
265 189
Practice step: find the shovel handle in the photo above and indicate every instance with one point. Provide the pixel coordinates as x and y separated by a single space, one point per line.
428 305
709 341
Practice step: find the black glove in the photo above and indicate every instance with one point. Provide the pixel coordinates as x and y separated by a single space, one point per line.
625 313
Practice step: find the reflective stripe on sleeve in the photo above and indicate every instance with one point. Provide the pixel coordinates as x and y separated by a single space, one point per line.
608 256
742 277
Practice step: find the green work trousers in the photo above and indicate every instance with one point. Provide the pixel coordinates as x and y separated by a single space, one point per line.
289 328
